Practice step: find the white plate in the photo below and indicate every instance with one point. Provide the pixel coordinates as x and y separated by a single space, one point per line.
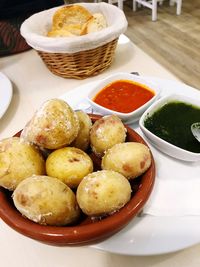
149 235
5 93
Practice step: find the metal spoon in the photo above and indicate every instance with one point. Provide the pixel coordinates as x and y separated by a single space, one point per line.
195 128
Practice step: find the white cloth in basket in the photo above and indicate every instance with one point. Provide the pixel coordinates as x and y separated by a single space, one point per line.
35 29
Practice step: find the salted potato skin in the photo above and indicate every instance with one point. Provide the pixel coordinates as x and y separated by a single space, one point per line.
54 125
106 132
83 138
69 164
103 192
46 200
131 159
18 160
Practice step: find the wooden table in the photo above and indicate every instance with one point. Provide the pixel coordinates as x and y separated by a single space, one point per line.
32 85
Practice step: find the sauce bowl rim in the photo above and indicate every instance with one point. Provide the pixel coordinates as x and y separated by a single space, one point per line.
184 154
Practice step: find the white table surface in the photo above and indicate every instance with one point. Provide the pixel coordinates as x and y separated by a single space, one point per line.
32 85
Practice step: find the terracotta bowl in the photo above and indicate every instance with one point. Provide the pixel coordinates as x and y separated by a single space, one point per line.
88 230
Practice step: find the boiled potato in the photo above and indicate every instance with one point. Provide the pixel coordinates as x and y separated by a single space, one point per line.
46 200
106 132
53 126
69 164
103 192
83 138
18 160
131 159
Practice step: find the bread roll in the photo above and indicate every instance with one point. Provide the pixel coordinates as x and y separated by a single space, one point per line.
60 33
72 18
96 23
75 20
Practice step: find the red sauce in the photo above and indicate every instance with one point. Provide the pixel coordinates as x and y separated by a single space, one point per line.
123 96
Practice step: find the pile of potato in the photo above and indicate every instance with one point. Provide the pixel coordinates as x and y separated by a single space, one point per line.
50 170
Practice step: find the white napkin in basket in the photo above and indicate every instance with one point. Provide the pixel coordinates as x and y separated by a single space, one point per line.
177 187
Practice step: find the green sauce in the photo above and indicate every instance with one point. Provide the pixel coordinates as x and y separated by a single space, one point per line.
172 123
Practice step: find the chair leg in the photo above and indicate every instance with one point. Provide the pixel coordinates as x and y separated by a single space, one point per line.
154 10
152 5
120 4
134 5
179 5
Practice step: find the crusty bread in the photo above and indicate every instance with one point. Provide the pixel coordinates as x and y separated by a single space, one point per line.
75 20
96 23
59 33
70 16
76 29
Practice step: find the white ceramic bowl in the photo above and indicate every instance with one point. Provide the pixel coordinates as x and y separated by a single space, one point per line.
161 144
125 117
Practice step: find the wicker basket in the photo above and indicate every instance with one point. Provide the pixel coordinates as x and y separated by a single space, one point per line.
80 65
80 57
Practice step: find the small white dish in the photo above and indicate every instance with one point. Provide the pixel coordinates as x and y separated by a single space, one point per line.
125 117
5 93
159 143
